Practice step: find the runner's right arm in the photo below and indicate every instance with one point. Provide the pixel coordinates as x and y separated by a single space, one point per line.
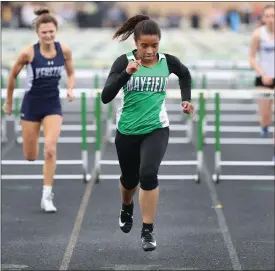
117 78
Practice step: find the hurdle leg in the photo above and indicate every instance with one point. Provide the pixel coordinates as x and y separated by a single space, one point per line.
16 111
98 138
190 120
204 121
217 139
16 117
204 81
200 138
204 86
190 129
84 136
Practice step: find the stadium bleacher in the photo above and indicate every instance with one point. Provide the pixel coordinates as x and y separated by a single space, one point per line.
222 56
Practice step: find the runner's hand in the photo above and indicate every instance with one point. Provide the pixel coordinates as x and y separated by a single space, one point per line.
7 108
188 108
70 95
133 66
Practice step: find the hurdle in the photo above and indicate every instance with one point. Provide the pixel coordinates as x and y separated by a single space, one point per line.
238 94
81 93
217 176
198 162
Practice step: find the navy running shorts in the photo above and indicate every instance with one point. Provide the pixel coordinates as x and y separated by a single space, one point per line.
37 108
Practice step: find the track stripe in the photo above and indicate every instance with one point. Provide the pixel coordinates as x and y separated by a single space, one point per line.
235 261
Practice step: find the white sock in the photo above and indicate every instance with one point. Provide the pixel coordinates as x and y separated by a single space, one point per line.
47 190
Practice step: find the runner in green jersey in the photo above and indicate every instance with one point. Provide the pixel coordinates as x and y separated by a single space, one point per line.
142 121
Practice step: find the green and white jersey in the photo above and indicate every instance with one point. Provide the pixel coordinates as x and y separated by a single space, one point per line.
143 103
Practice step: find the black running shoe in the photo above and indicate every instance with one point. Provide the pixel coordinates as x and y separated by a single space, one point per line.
148 240
125 221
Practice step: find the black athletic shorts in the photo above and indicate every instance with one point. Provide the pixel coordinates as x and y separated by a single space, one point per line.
259 83
141 155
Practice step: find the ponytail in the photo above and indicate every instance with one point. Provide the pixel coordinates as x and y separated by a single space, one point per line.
139 24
